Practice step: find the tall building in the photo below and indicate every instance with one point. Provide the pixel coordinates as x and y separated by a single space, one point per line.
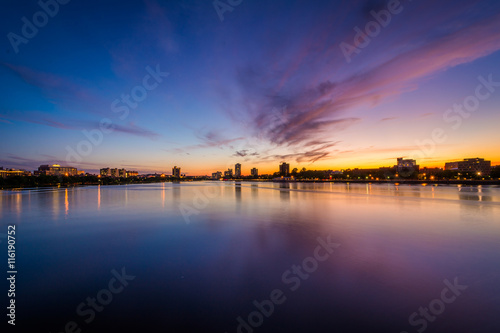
406 165
217 175
284 169
176 172
105 172
470 165
114 173
56 170
228 173
254 172
237 170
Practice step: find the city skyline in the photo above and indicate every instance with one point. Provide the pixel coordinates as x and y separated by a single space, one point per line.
155 92
250 166
463 165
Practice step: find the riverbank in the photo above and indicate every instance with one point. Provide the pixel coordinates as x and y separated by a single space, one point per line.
11 184
402 181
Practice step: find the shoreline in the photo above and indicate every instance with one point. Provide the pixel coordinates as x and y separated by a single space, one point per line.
357 181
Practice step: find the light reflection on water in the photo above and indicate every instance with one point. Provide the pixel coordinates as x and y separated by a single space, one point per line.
398 244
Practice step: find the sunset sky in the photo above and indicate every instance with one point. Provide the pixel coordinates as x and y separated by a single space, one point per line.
267 83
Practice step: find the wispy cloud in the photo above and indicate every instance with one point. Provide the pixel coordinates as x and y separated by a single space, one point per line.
133 129
319 109
388 119
209 139
65 91
244 152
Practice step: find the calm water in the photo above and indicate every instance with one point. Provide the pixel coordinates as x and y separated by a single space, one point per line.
202 253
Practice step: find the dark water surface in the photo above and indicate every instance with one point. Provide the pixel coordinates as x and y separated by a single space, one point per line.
209 257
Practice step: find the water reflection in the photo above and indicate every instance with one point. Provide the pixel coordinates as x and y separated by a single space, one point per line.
99 197
163 195
396 249
285 191
18 200
176 192
474 193
66 203
254 191
237 192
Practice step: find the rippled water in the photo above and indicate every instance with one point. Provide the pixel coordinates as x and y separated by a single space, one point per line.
208 257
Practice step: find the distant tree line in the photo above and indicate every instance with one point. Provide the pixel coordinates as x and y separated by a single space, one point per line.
42 180
303 174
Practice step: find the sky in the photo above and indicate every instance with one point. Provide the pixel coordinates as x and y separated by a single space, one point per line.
145 85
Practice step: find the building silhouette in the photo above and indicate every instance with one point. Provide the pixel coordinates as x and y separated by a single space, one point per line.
4 173
114 173
470 165
56 170
284 169
237 170
176 172
406 164
254 172
105 172
117 173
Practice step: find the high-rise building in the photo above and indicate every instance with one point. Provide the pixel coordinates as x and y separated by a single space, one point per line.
114 173
217 175
176 172
237 170
470 165
56 170
284 169
105 172
254 172
228 173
